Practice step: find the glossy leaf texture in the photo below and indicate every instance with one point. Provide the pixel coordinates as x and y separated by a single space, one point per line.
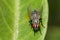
14 19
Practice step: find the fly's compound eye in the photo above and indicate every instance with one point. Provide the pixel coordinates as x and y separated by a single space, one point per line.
38 25
33 25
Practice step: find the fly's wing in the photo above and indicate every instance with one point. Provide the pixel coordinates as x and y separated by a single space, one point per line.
29 9
40 10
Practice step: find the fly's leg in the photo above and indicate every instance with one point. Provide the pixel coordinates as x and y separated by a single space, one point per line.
31 26
30 22
41 22
34 31
40 30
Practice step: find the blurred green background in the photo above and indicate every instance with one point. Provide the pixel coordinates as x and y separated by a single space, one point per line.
53 32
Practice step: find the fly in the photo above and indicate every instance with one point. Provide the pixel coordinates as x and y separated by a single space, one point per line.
35 21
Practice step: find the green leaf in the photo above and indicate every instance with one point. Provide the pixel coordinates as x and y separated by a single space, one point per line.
14 19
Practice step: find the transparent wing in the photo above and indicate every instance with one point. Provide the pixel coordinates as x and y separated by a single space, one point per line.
40 9
29 9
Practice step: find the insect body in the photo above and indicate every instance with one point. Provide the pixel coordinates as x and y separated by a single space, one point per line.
35 20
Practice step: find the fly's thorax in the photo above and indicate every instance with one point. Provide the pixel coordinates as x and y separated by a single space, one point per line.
35 21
